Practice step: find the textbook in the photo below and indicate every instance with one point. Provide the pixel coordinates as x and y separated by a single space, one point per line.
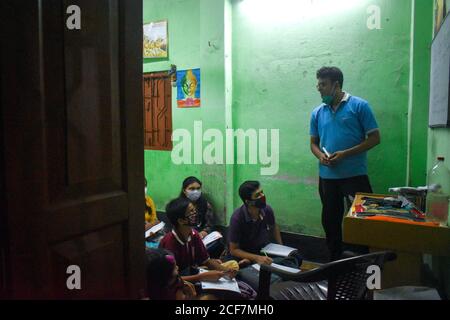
278 250
155 229
221 284
213 236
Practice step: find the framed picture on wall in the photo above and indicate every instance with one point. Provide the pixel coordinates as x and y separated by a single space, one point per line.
155 39
188 88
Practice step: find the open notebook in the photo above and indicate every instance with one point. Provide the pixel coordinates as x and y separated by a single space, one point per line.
279 250
222 284
155 229
213 236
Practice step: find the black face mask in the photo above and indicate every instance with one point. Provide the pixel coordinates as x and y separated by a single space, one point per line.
193 220
259 203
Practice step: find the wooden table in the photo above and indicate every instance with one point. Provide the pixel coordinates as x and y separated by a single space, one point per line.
409 241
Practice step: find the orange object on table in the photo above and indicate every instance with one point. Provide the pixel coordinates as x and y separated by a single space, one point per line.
391 219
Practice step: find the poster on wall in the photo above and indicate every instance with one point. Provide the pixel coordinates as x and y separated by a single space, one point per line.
188 88
155 39
440 13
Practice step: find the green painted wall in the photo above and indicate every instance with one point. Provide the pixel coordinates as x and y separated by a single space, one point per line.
261 75
423 24
274 87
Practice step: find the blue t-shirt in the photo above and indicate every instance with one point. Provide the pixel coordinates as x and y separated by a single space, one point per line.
341 130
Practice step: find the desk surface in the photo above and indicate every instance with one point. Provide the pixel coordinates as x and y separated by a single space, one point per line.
406 237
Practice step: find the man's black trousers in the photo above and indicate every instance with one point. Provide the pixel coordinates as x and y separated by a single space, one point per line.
332 194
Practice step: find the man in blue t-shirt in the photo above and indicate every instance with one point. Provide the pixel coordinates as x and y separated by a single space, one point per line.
343 128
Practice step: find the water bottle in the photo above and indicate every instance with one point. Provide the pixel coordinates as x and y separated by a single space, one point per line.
438 193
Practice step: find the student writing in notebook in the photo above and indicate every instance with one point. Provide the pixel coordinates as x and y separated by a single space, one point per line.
187 246
252 226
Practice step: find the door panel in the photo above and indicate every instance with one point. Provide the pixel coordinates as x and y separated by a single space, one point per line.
99 253
74 140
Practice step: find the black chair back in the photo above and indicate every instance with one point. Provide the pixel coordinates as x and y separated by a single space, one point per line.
346 279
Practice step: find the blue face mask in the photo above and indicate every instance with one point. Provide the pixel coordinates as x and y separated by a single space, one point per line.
328 100
193 195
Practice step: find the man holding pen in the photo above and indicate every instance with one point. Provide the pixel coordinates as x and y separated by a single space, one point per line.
252 226
343 128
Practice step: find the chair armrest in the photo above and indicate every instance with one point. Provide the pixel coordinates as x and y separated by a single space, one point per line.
301 276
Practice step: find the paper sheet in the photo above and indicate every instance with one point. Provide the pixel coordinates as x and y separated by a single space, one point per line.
222 284
154 229
213 236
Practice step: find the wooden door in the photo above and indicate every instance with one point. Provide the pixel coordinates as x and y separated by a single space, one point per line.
72 168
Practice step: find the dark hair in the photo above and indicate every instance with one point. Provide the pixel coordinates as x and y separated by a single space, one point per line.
176 209
188 181
159 271
201 203
247 188
332 73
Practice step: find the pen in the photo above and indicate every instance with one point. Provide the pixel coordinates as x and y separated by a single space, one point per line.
326 152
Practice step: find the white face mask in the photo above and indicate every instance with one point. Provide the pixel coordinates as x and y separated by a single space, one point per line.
145 190
193 195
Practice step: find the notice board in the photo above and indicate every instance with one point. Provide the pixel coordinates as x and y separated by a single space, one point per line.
440 78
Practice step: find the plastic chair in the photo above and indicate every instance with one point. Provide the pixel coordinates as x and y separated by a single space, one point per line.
344 279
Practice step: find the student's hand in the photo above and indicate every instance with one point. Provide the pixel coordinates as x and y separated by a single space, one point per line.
243 263
230 273
264 260
337 156
324 160
203 234
213 275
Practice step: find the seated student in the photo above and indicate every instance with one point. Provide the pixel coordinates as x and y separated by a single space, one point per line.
163 280
252 226
151 218
187 246
191 189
